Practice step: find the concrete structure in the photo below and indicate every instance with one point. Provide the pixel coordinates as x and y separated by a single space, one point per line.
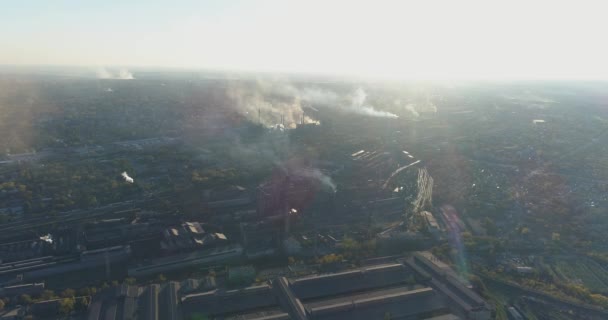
17 290
462 300
22 250
41 268
179 261
189 236
431 224
366 293
241 274
414 288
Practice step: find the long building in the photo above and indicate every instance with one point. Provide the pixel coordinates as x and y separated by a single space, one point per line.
180 261
41 268
412 288
394 289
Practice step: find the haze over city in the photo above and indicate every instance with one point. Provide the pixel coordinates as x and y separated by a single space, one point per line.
395 39
308 160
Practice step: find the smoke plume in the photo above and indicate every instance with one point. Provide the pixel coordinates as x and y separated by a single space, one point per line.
122 74
316 174
127 178
358 106
275 103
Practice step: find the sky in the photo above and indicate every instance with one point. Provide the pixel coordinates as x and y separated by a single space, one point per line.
380 38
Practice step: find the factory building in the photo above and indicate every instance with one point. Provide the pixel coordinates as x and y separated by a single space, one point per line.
175 262
399 288
114 232
189 236
154 301
460 298
371 292
22 250
41 268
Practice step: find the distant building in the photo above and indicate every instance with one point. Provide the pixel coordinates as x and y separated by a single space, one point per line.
188 236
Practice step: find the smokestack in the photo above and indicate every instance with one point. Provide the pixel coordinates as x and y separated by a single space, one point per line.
243 234
287 225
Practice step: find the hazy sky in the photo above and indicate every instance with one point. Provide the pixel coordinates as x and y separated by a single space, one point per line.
410 39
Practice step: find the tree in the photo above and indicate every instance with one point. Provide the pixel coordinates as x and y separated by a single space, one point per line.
130 281
25 299
47 295
68 293
330 258
161 278
490 226
66 306
87 291
198 316
1 304
81 303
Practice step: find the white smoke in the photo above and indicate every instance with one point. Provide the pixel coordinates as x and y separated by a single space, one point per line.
358 106
48 238
412 108
127 178
122 74
125 74
419 103
316 174
273 102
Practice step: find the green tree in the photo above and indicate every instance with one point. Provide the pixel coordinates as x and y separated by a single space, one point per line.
47 295
66 305
1 304
68 293
86 291
82 303
25 299
197 316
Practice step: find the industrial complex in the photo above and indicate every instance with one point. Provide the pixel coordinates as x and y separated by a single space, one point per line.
411 287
